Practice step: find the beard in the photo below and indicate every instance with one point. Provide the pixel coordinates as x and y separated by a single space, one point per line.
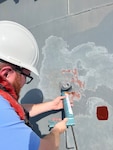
17 84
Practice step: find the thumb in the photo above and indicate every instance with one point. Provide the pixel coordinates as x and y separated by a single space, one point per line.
65 120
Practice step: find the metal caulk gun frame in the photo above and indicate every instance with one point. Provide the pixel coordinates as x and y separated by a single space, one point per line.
65 88
68 113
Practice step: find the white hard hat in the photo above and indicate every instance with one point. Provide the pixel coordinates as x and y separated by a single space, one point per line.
18 46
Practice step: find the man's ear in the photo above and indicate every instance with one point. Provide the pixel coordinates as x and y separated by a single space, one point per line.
6 71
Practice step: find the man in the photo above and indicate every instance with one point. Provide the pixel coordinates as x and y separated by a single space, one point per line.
18 58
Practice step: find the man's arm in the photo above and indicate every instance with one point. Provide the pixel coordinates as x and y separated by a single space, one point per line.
35 109
52 140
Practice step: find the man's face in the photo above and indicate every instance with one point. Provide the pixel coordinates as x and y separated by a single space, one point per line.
17 83
17 77
20 80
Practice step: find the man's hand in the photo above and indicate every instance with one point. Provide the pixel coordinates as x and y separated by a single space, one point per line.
60 127
58 102
52 140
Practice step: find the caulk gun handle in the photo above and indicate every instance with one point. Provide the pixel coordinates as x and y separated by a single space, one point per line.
68 113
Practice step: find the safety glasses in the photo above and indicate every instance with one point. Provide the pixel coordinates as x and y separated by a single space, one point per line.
28 77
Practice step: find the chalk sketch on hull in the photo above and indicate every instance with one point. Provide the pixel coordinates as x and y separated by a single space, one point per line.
89 68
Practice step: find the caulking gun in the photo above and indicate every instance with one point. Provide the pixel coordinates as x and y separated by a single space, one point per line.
68 113
65 89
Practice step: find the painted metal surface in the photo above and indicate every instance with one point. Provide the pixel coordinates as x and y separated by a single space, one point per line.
76 45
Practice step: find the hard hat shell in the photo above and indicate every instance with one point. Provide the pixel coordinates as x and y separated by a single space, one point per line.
18 46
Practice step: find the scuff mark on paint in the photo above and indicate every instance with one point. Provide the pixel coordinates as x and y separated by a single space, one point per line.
72 76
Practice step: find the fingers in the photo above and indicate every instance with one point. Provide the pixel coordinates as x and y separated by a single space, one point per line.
65 120
59 98
62 97
71 100
61 126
